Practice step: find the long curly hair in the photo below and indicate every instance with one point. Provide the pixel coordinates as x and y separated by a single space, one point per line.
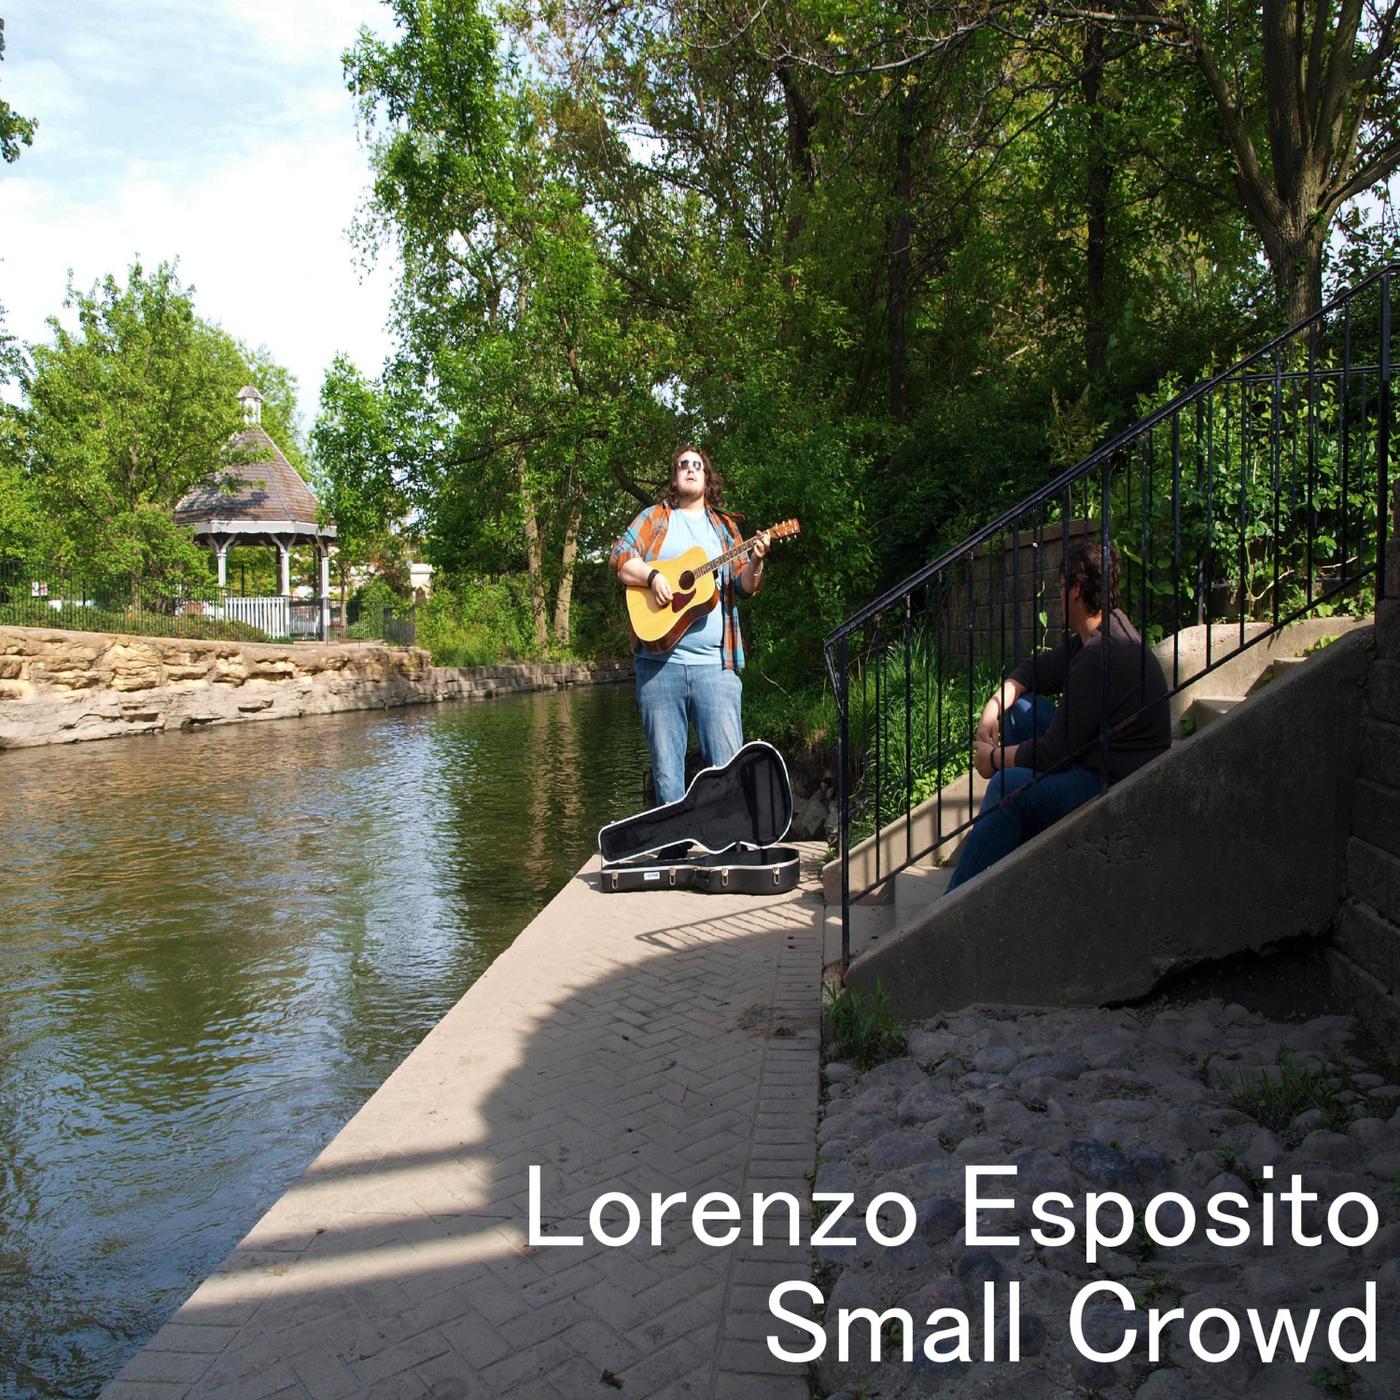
1083 564
714 479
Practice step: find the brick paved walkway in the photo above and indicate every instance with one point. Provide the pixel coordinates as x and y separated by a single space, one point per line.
645 1042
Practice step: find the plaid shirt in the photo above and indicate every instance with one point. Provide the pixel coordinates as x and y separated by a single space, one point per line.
643 539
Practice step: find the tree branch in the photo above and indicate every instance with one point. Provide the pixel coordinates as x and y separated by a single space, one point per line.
1377 168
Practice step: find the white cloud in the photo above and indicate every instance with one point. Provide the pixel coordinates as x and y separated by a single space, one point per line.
219 134
298 32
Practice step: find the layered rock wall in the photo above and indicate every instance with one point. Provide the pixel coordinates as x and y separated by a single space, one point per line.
66 687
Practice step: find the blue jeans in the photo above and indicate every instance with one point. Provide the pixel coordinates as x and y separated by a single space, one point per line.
1004 825
672 696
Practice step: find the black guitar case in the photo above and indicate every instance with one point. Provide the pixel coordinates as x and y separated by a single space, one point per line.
720 838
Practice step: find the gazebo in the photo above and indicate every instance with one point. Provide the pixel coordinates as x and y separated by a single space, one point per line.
262 501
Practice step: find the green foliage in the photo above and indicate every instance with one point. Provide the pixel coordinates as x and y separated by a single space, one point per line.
355 443
892 277
861 1030
125 414
1275 1101
477 622
1339 1380
517 377
76 617
368 605
916 760
1272 520
22 526
15 130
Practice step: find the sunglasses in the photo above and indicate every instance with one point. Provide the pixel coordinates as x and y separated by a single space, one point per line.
682 466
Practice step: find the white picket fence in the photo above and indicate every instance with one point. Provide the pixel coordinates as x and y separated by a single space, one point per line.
273 614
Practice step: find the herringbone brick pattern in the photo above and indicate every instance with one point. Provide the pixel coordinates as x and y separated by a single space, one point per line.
637 1043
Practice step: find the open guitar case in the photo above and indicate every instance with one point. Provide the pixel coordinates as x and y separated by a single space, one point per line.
720 838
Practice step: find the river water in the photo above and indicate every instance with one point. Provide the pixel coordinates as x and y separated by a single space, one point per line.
217 945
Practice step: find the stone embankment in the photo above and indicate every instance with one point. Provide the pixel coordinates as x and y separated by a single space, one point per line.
66 687
1196 1100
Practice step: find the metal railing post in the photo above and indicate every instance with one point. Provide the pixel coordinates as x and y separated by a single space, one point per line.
843 795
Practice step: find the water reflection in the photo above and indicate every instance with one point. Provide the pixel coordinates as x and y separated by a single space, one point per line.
217 945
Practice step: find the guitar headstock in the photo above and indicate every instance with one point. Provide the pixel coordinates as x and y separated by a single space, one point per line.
784 529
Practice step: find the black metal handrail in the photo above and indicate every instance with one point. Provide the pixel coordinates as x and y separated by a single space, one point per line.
1257 496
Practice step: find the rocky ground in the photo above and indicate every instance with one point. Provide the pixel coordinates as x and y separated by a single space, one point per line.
1196 1099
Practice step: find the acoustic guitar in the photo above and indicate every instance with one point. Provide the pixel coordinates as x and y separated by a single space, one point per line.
694 591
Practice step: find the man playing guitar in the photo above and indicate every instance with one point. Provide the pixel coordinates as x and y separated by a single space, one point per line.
691 675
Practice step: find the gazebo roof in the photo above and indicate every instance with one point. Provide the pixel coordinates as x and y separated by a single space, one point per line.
263 494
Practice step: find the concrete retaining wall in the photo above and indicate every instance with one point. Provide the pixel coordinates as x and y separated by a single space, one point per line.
1233 841
66 687
1365 956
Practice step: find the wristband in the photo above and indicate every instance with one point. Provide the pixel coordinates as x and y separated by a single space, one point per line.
651 576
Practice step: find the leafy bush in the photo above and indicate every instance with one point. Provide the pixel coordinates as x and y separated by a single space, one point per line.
366 608
477 622
73 617
912 759
598 623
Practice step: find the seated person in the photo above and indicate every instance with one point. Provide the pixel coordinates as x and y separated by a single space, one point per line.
1045 762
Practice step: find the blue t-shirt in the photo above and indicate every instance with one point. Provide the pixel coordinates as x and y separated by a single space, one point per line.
701 644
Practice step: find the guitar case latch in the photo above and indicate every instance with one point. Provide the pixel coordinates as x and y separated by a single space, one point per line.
614 879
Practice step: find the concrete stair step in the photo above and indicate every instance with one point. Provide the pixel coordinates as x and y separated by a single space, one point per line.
1205 710
959 801
1276 667
869 924
917 888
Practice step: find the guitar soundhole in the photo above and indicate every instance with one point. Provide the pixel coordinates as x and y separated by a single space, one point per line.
687 579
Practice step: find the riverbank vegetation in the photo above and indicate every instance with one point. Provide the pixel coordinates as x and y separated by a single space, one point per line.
891 264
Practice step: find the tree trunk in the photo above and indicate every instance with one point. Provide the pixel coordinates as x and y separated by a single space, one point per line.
563 599
1320 87
1099 183
1297 269
799 143
534 559
901 230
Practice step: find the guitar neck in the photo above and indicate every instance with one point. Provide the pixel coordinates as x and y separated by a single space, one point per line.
729 555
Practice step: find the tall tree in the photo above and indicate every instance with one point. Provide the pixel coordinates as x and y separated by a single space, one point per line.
1309 103
512 343
357 446
127 413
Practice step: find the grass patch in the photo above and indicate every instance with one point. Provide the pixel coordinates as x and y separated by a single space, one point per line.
862 1030
1276 1102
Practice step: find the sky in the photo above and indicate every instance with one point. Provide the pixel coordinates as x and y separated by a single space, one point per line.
215 132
